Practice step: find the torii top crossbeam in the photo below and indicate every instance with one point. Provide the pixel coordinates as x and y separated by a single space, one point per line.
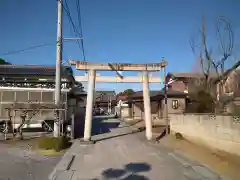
83 65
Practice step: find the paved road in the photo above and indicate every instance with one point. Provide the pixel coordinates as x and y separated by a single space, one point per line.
120 156
23 164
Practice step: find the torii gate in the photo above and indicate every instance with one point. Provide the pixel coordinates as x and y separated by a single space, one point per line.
92 67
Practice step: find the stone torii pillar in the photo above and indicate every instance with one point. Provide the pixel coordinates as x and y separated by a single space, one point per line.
89 106
147 106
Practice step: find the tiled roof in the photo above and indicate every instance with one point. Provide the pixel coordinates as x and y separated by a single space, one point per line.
28 70
18 73
139 94
105 95
189 74
122 97
106 92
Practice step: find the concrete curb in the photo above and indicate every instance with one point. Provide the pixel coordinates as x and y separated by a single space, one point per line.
64 165
82 142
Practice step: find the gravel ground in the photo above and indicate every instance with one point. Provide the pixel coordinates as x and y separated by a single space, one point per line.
19 162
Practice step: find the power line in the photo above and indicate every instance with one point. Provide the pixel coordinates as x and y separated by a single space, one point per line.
26 49
77 34
66 10
80 27
31 48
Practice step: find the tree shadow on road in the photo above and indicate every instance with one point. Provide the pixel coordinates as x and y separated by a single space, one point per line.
128 172
100 126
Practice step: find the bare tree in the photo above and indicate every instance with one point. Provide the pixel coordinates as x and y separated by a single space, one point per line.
26 113
213 69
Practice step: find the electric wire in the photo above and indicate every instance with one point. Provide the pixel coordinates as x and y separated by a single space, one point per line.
26 49
67 11
80 28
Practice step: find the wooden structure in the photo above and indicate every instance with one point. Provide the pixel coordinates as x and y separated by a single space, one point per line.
28 91
26 115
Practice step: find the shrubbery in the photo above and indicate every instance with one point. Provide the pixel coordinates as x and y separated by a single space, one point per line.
201 102
55 143
179 136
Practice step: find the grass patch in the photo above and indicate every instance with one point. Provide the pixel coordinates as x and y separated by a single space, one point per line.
179 136
54 143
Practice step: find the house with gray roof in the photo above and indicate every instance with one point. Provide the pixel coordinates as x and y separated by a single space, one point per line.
176 103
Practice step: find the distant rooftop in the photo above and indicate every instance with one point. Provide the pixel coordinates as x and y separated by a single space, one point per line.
27 70
16 74
139 94
189 74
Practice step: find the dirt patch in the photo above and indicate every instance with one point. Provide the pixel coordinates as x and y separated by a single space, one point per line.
25 143
223 163
50 152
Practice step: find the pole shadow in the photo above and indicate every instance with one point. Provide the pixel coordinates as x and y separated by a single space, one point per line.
118 135
163 134
128 172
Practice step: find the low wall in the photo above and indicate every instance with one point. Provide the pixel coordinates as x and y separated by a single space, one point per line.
220 132
124 112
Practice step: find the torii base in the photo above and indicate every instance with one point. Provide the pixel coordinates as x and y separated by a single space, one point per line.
89 142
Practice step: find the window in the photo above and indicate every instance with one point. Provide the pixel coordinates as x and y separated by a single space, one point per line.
175 104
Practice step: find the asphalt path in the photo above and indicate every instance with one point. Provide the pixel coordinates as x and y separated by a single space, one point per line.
20 161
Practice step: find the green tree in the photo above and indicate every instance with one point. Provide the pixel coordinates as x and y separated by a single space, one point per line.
129 92
2 61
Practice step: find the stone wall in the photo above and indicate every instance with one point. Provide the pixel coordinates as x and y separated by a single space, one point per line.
220 132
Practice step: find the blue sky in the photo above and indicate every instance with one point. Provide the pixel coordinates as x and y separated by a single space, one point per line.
132 31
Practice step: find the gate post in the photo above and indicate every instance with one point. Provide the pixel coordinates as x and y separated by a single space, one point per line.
147 106
89 106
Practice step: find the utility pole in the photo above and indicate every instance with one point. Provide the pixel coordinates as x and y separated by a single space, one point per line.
165 100
58 66
110 105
